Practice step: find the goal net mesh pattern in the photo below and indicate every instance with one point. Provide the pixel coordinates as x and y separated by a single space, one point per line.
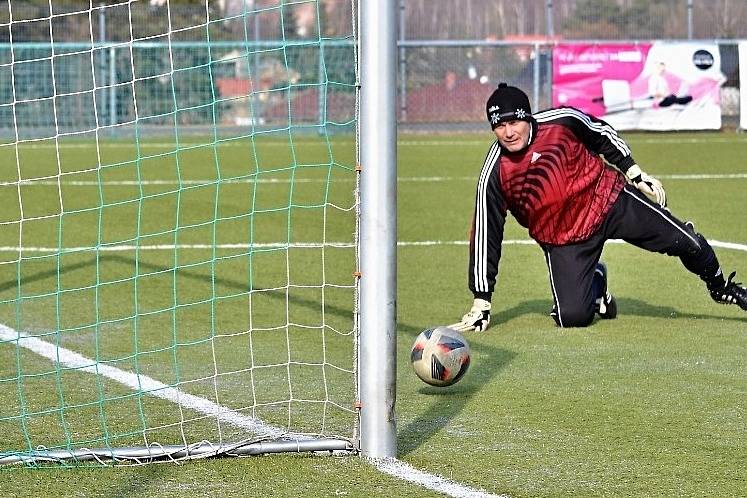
178 232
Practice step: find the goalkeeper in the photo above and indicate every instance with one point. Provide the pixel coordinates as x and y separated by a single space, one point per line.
547 170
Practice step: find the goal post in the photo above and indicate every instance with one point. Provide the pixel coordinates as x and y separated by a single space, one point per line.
378 237
191 256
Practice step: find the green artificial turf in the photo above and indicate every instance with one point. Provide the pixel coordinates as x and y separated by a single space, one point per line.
650 404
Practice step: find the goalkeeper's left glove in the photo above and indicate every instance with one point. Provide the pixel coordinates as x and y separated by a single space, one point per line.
477 318
648 185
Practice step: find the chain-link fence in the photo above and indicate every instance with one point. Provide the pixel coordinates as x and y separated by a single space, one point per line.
453 53
446 85
574 19
72 68
79 89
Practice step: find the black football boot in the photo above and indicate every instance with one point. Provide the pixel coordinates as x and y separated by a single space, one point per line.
605 303
731 293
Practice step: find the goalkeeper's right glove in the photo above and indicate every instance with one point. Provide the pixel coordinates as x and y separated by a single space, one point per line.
648 185
477 319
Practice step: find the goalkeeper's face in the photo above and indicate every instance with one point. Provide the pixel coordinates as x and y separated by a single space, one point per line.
513 135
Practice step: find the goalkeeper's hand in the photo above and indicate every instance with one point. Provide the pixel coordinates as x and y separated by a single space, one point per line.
476 319
648 185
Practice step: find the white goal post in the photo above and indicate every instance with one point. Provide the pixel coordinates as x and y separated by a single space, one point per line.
378 227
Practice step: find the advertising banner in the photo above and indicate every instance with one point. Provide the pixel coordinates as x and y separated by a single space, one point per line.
743 86
643 86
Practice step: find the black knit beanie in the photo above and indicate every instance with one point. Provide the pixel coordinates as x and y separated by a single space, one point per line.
507 103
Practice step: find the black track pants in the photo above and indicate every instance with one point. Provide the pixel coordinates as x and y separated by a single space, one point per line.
636 220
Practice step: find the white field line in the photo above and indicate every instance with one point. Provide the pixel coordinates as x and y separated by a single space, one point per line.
66 358
278 245
172 247
402 470
714 243
70 359
245 142
631 140
695 176
127 183
402 179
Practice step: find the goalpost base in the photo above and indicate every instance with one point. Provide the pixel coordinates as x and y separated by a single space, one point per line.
145 454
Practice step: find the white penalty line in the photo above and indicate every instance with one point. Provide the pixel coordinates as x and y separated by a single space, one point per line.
735 139
247 142
284 181
693 176
66 358
72 360
405 471
189 183
296 245
173 247
530 242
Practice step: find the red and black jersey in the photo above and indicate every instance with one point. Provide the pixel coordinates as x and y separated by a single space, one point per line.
558 187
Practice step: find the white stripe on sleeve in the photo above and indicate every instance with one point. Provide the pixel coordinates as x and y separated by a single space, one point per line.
600 128
480 269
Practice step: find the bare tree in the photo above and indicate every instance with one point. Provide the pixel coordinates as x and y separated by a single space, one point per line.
720 18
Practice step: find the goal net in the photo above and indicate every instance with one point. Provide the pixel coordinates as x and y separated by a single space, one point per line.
178 232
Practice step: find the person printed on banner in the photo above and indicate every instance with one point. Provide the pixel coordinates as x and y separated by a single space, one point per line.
658 88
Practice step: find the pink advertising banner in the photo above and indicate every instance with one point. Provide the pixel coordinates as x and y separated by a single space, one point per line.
644 86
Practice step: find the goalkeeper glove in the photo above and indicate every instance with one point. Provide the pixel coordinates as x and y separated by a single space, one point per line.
648 185
476 319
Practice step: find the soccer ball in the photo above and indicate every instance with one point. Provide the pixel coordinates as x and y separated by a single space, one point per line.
440 356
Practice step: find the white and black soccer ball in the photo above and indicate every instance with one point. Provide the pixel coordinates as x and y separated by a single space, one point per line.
440 356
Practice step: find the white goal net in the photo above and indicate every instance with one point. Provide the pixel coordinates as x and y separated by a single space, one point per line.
178 233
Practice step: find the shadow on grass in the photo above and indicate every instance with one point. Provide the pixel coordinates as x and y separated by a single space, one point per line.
626 306
447 402
530 307
138 483
239 285
636 307
41 275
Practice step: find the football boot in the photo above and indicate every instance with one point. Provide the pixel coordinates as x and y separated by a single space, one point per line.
606 306
731 293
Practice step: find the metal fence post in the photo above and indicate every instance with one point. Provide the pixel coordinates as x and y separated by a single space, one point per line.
689 19
112 86
321 94
536 77
402 63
